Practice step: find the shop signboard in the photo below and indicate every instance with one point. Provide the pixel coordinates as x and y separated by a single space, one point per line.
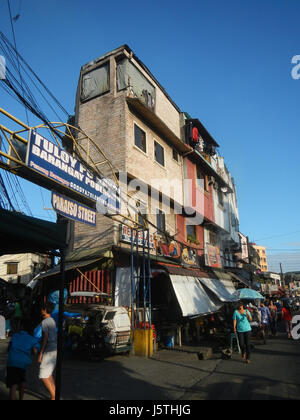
126 235
189 256
212 256
61 167
73 210
244 247
171 249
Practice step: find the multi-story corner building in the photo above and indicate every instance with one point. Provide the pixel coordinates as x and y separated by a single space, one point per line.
148 139
167 164
136 124
261 256
21 268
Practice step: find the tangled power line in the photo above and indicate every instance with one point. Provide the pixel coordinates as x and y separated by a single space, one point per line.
24 86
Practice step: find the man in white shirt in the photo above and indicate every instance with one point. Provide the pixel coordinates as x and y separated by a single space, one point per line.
48 354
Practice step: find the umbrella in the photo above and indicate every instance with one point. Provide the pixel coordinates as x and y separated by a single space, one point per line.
248 294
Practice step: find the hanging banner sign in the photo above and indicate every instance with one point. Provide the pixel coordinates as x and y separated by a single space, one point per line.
212 256
53 162
189 256
73 210
126 233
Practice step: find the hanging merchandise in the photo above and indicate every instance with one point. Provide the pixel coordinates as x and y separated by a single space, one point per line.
201 144
195 135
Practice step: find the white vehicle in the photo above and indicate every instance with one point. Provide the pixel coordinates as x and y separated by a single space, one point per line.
113 322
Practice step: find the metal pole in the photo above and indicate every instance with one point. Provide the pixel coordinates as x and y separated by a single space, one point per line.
282 276
137 279
132 293
144 278
60 338
149 281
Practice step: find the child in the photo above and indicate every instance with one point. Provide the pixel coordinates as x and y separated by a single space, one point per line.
19 359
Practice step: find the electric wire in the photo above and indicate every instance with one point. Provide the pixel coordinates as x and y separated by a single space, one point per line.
15 44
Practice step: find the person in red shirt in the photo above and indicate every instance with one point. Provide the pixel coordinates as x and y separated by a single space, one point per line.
287 317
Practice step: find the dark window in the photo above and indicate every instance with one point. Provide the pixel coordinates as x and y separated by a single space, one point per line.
12 268
200 178
212 238
142 212
161 221
140 138
191 232
220 197
175 155
159 153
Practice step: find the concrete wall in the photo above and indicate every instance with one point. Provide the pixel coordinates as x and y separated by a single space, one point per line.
26 264
108 120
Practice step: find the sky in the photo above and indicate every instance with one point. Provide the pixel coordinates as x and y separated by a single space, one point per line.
227 63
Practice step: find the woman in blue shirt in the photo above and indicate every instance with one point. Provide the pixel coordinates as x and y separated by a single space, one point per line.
241 326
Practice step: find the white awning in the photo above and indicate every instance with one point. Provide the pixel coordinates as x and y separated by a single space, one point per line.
191 296
228 286
223 289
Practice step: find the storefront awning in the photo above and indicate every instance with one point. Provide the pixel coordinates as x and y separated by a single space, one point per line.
23 234
56 270
223 289
191 296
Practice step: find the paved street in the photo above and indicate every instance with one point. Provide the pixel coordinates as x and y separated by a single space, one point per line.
273 374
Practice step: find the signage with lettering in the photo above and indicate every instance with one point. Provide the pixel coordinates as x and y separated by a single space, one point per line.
126 234
73 210
48 159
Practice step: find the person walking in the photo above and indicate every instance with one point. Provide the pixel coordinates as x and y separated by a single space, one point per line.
287 318
265 318
242 327
274 318
21 347
48 353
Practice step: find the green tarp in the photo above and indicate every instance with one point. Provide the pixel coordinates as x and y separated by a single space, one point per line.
22 234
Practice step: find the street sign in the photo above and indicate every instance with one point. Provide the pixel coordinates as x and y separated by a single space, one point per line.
73 210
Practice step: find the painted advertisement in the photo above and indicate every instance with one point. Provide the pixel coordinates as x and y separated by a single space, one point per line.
171 249
212 256
189 256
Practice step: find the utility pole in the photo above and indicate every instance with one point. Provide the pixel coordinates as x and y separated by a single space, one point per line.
282 275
